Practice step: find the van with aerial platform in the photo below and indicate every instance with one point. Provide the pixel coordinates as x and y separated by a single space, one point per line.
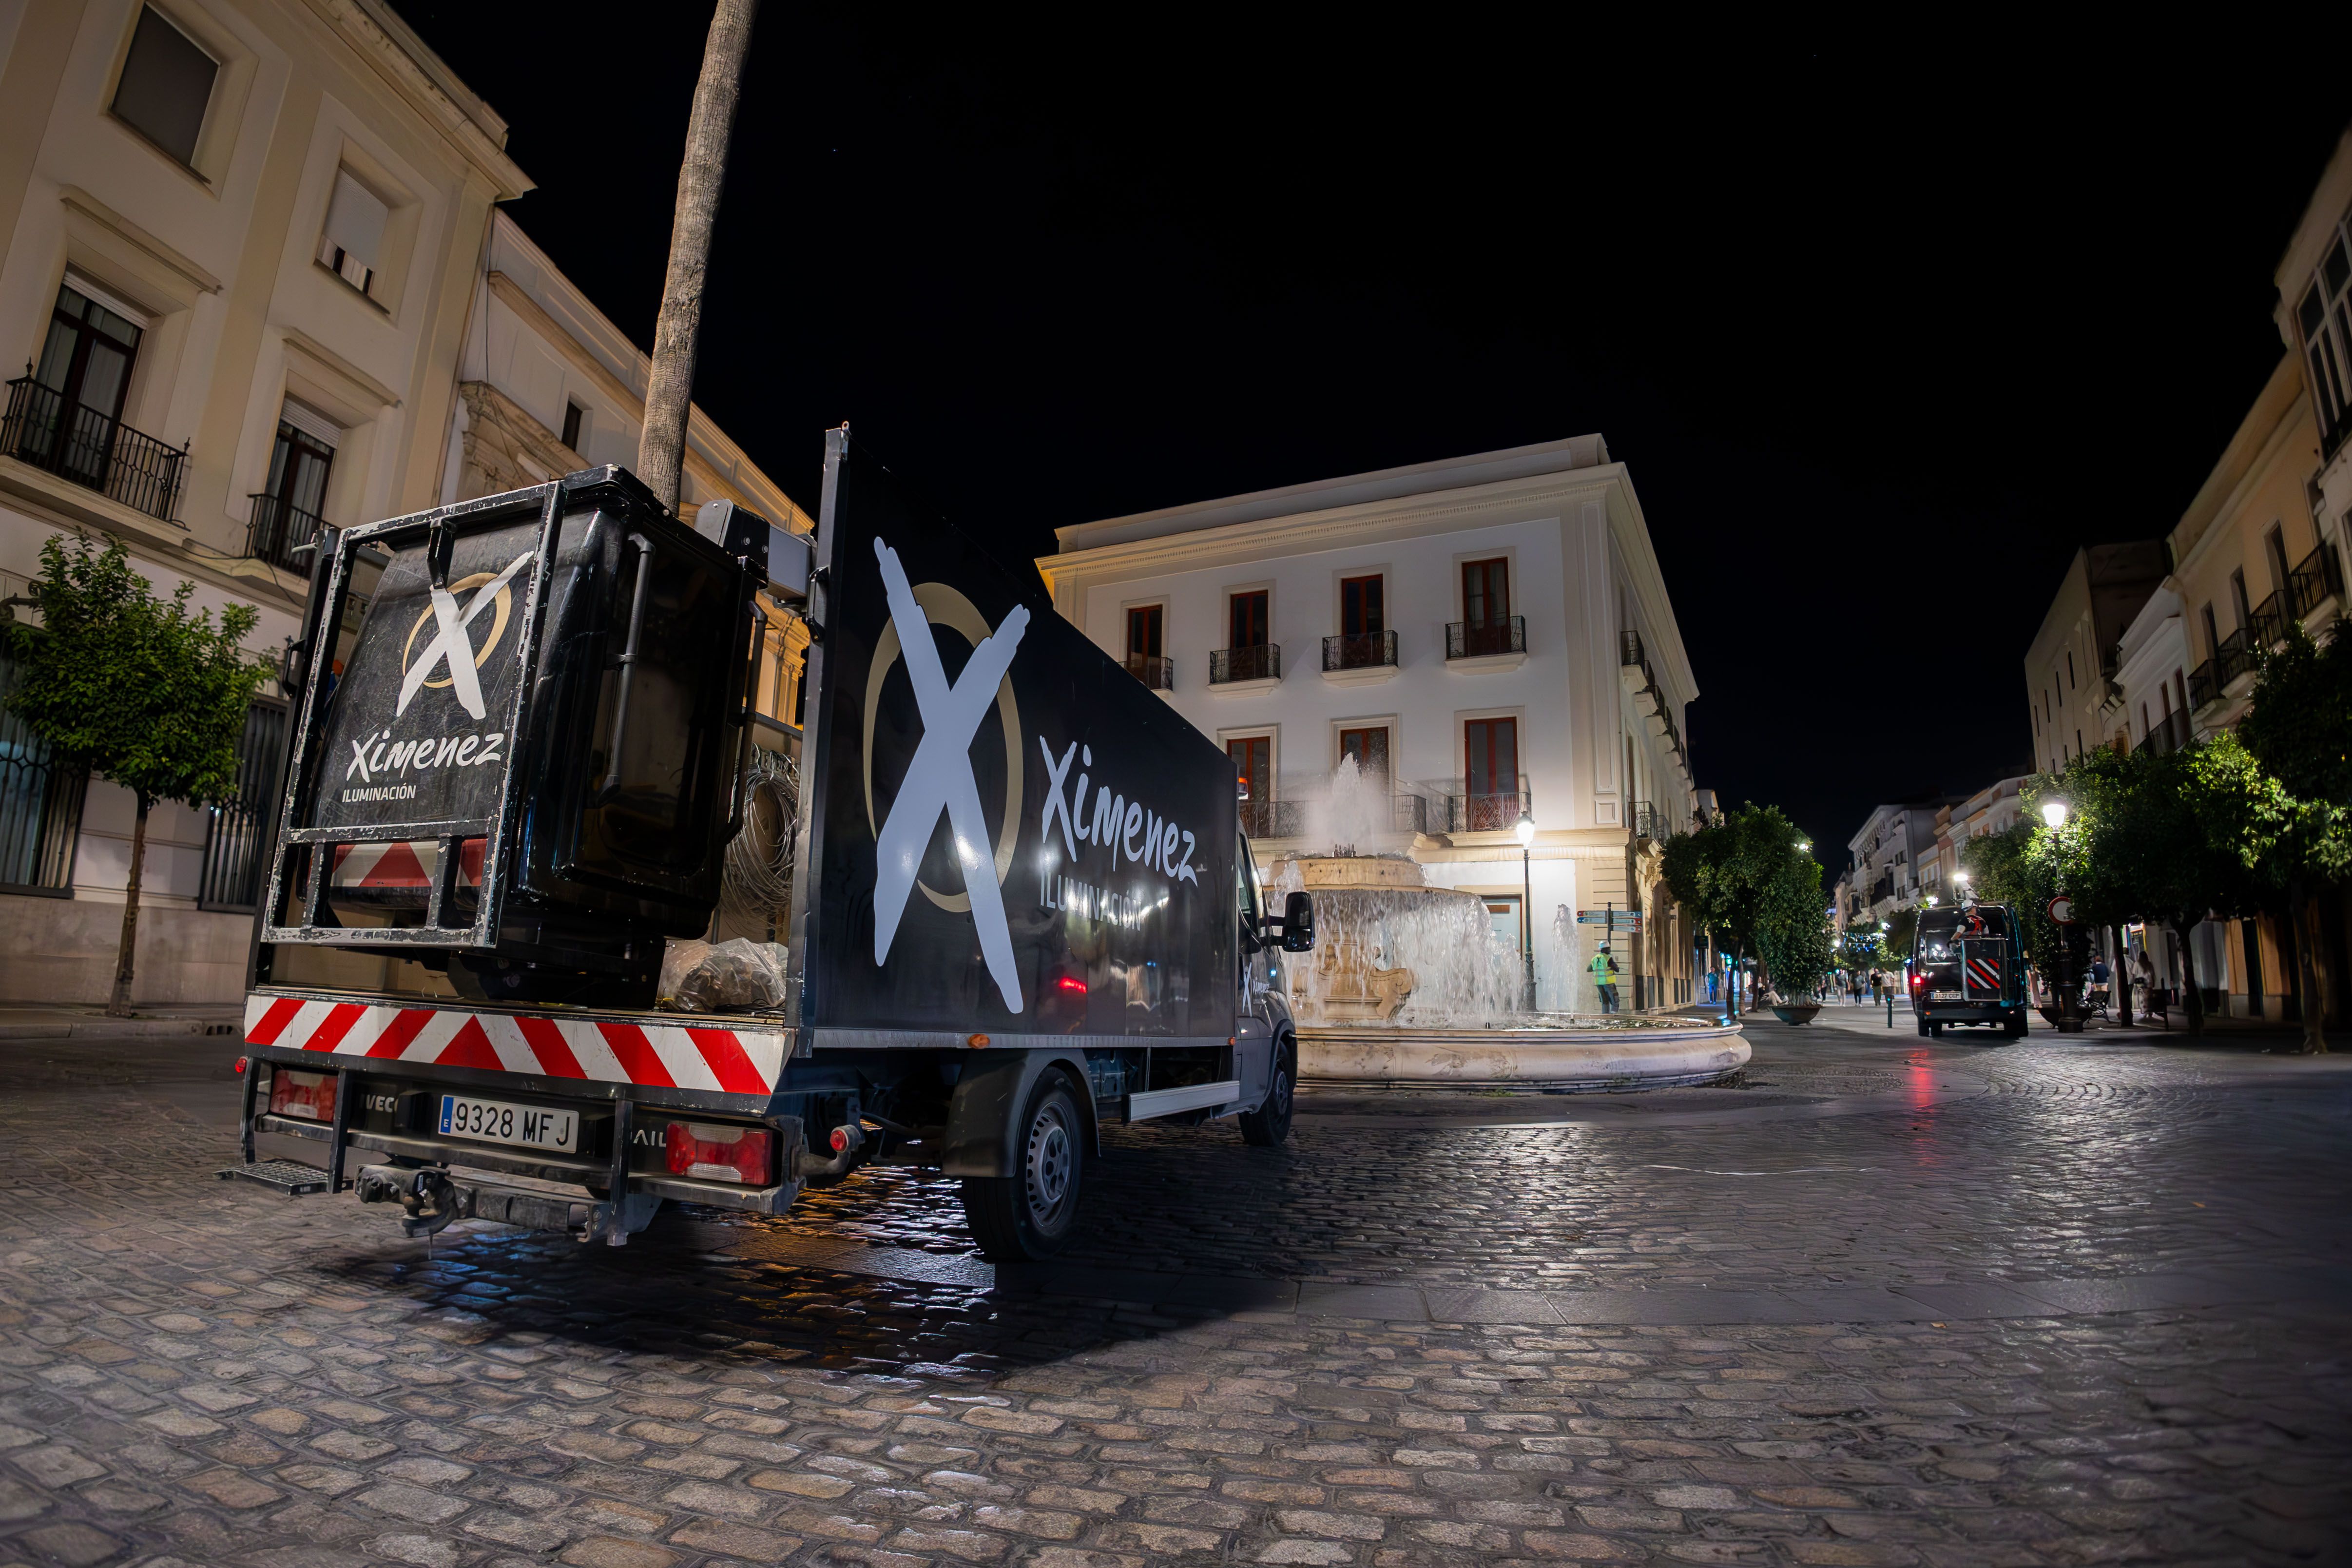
1019 903
1967 969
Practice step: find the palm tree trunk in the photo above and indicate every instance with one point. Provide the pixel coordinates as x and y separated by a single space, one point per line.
661 450
126 953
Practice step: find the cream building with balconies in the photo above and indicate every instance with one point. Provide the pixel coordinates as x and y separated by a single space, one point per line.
250 259
1490 636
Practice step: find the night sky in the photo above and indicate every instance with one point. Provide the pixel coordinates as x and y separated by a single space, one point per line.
1883 338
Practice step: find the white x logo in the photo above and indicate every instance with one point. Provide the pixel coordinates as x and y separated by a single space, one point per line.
940 778
450 643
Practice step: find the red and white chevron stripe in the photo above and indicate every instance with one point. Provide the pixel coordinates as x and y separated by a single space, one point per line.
403 863
657 1055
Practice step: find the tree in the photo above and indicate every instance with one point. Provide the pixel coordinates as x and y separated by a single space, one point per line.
1794 935
2300 729
669 390
135 689
1728 876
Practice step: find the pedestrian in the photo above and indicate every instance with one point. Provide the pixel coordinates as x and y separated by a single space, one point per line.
1604 978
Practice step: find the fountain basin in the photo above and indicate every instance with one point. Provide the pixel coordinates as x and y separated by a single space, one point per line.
1576 1054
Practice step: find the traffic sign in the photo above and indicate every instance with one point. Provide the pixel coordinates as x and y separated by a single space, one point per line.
2061 909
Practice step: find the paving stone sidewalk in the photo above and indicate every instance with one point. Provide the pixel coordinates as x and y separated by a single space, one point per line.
204 1373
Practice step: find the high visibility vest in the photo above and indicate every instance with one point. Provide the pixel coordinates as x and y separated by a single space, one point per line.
1600 969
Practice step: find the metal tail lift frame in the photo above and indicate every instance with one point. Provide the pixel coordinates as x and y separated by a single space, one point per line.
305 771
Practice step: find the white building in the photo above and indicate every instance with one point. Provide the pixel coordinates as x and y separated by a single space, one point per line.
1489 634
244 247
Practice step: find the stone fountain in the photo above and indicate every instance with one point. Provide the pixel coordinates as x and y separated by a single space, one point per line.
1409 986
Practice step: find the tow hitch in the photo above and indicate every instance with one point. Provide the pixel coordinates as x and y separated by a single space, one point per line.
428 1197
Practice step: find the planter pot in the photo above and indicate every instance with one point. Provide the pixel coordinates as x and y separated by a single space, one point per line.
1797 1013
2048 1015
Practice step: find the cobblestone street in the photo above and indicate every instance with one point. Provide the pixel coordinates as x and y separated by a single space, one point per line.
1879 1303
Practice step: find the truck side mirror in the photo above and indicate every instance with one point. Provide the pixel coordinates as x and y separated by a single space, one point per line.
1298 923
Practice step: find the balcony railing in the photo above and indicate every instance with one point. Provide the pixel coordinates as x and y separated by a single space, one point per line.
1630 649
281 534
1273 818
92 450
2266 627
2166 735
2204 686
1159 674
1647 824
2309 584
1227 665
1468 811
1466 639
1360 650
2233 658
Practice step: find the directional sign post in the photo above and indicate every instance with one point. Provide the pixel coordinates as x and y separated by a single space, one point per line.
2060 910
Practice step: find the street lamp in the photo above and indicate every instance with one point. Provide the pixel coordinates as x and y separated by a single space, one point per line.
2070 1022
1526 832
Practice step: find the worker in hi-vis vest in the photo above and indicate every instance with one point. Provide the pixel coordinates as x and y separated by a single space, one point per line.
1604 978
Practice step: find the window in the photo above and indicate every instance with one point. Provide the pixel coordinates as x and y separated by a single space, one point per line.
1486 593
1253 758
239 832
2069 670
1250 622
41 805
352 248
800 691
2212 633
167 81
1143 631
2274 547
575 419
2237 596
1361 612
1370 747
1490 762
74 408
289 514
2325 320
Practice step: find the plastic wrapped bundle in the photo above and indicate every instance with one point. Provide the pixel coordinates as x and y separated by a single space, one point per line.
736 976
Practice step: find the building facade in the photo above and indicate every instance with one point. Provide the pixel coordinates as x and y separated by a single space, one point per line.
2071 666
1489 637
250 259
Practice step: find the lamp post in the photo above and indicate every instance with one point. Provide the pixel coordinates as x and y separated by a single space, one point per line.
1526 832
2069 1021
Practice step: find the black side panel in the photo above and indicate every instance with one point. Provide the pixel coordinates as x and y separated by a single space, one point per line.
1044 847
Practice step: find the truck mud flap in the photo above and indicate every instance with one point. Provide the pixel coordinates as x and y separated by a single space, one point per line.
988 1099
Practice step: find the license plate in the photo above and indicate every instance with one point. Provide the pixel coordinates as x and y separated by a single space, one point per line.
497 1121
1944 996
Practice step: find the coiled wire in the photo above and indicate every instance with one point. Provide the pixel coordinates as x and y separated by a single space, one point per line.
757 880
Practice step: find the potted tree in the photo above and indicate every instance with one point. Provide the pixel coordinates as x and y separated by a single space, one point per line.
1794 935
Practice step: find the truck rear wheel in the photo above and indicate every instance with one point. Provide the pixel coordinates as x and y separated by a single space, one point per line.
1269 1124
1029 1215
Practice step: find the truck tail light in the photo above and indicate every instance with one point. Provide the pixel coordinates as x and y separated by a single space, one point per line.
709 1151
309 1095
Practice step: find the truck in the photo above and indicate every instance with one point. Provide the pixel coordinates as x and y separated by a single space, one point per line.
521 746
1968 967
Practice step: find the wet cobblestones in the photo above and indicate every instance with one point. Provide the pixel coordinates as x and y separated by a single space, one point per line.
205 1373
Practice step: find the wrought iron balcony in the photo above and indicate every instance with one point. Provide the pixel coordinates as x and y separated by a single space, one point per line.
1360 650
2266 627
2203 685
98 453
2310 584
2233 658
1474 811
281 534
1466 639
1273 818
1227 665
1630 649
1647 824
2166 735
1159 674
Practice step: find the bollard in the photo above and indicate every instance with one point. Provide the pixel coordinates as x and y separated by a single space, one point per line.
1890 1006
